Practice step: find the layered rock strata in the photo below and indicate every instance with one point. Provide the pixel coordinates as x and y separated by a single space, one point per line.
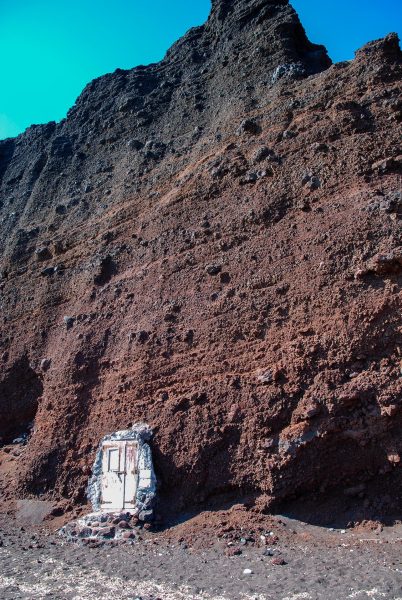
212 245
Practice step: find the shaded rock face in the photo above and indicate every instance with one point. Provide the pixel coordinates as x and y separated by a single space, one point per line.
20 389
195 247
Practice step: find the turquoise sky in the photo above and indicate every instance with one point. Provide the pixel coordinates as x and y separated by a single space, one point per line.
50 49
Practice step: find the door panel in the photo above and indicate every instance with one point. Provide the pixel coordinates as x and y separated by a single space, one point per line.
130 487
112 476
119 475
113 459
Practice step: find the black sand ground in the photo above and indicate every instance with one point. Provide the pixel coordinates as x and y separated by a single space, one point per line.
320 564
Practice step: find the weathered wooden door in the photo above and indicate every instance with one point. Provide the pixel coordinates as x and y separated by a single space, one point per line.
119 475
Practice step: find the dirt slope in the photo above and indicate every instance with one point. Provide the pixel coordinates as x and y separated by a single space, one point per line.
212 245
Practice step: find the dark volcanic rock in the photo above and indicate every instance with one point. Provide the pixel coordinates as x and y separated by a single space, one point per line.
144 185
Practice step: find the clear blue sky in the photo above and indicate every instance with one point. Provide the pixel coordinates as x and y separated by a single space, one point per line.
49 49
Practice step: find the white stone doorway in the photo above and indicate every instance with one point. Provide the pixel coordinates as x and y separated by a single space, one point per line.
123 477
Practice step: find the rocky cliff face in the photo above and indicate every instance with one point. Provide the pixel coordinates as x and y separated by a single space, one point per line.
212 245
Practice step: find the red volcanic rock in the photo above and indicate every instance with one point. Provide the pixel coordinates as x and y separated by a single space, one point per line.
233 551
278 561
210 244
128 535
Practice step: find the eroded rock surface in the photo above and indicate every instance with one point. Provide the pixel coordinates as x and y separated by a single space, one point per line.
197 246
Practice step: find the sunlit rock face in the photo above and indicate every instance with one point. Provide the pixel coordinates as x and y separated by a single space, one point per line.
210 244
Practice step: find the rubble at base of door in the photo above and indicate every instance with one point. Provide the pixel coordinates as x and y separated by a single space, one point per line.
97 528
146 491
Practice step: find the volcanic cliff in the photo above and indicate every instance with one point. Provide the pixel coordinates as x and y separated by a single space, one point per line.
212 245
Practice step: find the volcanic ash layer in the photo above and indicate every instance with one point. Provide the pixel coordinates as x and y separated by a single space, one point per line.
212 245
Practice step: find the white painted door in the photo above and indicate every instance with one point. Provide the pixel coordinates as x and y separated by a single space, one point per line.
119 475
